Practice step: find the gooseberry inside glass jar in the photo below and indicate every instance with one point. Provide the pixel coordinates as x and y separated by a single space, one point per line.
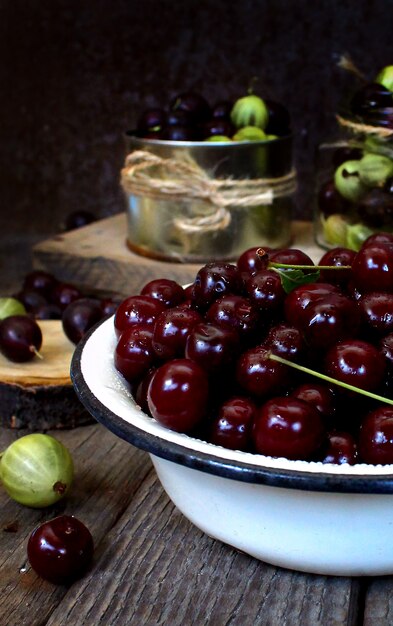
354 189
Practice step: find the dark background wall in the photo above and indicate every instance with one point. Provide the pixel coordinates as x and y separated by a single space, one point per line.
75 73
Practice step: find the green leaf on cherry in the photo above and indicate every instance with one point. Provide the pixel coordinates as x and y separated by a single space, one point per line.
292 278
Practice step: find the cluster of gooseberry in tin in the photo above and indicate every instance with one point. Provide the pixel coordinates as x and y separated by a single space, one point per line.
272 354
190 117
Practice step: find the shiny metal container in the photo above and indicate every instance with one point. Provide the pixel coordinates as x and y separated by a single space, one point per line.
194 229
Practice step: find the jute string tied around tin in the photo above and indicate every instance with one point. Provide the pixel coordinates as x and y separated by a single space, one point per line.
149 175
346 63
365 129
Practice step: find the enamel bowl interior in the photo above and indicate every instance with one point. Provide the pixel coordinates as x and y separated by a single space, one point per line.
308 516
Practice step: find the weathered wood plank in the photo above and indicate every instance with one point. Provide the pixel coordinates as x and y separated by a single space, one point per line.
378 603
108 473
97 256
156 568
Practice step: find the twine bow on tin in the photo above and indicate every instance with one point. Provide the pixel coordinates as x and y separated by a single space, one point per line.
149 175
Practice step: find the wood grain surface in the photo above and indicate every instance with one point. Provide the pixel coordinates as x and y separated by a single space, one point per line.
151 565
97 254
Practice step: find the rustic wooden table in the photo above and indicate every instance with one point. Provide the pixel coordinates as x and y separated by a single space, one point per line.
152 566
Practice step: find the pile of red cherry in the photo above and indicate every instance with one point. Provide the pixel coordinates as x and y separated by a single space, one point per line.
246 360
44 297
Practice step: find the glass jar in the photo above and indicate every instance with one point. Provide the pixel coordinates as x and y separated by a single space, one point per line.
354 186
195 201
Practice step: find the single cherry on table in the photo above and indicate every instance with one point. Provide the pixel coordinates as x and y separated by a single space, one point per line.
60 550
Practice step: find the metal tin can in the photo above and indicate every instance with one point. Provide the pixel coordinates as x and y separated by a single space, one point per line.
197 201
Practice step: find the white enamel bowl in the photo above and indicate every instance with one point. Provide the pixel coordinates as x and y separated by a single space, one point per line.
311 517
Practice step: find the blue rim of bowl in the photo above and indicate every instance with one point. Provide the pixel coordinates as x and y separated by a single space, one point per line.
211 464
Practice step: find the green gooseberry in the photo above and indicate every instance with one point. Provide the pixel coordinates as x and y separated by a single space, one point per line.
385 77
11 306
375 169
249 133
250 110
335 230
379 145
347 181
36 470
357 235
218 139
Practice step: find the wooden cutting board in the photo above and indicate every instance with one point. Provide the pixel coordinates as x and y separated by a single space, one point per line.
97 257
39 395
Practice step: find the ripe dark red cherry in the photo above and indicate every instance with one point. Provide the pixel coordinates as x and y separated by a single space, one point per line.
48 312
286 341
330 201
232 427
386 347
217 127
60 550
214 281
193 103
339 257
235 313
178 395
142 389
319 396
369 98
31 299
180 133
222 110
79 316
151 119
376 309
286 427
357 363
137 310
300 298
171 330
65 293
340 448
378 238
41 281
290 256
258 375
212 347
109 306
265 290
250 262
134 354
20 338
167 291
372 268
279 120
376 437
328 320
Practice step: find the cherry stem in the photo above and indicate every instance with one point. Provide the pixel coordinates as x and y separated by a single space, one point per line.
252 83
328 379
36 352
274 265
